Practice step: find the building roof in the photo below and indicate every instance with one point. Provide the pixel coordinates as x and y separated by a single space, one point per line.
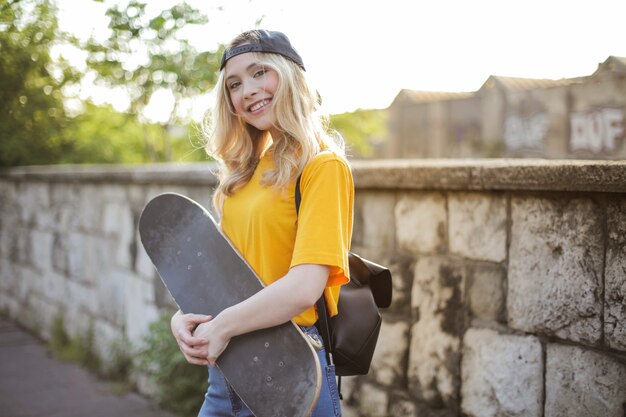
613 64
523 84
413 96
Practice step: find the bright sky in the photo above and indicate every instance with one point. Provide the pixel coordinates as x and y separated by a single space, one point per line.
361 53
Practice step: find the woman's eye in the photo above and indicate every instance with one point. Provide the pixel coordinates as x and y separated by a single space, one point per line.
259 73
234 85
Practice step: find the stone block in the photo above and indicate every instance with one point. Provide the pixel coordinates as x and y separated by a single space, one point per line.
29 282
76 250
99 258
373 401
8 191
434 353
60 253
375 212
84 298
90 208
421 222
348 411
555 268
7 277
477 225
22 248
9 306
403 408
402 280
33 199
106 337
615 277
43 312
42 243
143 264
65 206
113 212
112 297
9 226
78 318
502 375
583 383
140 313
119 224
113 193
391 349
54 287
485 291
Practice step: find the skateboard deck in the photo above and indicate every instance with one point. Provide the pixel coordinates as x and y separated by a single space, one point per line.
275 371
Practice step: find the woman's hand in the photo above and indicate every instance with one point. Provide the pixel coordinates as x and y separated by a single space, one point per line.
217 340
193 348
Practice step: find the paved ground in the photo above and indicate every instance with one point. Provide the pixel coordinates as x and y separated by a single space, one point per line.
33 384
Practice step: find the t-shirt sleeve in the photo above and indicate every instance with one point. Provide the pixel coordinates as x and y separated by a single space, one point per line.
325 217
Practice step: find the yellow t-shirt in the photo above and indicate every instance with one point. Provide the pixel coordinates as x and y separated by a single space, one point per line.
261 223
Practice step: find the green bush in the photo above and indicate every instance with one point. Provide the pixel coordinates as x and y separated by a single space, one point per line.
180 385
79 350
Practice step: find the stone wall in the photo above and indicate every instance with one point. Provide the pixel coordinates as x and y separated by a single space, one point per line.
509 276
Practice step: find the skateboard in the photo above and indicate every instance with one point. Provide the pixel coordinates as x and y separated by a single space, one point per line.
275 371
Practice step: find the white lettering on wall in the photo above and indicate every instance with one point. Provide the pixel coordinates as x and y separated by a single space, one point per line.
596 130
525 132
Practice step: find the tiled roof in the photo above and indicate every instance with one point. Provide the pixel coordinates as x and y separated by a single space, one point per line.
513 84
523 84
612 64
430 96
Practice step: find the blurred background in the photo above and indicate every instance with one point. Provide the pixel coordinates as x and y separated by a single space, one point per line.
127 82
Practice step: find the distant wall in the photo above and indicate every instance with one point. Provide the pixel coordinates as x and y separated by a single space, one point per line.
583 117
509 276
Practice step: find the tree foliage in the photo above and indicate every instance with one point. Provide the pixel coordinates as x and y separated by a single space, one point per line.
32 115
363 130
102 135
147 55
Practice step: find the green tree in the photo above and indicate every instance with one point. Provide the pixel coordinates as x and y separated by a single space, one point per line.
102 135
148 55
32 116
363 130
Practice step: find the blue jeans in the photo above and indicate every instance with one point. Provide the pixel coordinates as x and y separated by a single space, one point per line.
221 401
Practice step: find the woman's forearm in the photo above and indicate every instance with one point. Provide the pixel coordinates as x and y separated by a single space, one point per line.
276 303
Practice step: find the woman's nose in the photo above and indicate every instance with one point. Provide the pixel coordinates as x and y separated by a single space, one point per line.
249 89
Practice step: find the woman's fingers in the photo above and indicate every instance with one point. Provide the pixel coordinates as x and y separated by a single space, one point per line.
196 360
190 340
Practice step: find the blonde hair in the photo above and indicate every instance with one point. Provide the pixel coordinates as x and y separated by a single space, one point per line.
237 146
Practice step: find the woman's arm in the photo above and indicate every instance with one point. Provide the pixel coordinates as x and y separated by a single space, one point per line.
275 304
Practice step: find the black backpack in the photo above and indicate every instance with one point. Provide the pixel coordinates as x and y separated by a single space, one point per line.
350 337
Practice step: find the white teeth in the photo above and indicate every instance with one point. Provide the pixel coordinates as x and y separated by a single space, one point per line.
259 105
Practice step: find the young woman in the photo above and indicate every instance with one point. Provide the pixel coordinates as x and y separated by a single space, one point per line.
265 131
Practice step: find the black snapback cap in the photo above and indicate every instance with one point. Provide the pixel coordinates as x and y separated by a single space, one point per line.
268 41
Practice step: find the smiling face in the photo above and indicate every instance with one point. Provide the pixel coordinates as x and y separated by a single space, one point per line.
251 87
